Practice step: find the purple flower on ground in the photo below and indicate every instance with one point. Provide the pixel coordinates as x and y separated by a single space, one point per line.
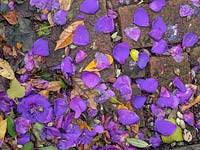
141 17
68 120
185 96
78 105
195 3
92 112
98 128
157 5
186 10
102 61
104 24
155 141
86 136
90 79
22 125
80 56
138 101
40 47
159 47
127 117
44 17
23 78
23 139
176 52
104 96
81 36
123 84
36 108
149 85
60 106
164 127
6 104
29 61
50 133
60 17
133 33
89 6
121 52
189 118
189 39
143 59
67 67
179 84
157 111
11 5
45 4
112 14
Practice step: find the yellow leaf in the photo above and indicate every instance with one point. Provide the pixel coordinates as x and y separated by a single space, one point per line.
92 66
6 70
65 4
134 54
66 37
3 128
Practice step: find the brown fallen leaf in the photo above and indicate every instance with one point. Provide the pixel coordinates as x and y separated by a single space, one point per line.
3 127
65 4
50 19
11 17
6 70
66 37
80 90
54 86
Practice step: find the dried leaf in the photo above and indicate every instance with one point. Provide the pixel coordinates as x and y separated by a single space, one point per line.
11 17
54 86
65 4
137 142
66 37
3 128
6 70
79 89
93 67
44 93
50 19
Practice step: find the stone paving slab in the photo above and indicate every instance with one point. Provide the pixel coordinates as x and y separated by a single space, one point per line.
163 69
170 14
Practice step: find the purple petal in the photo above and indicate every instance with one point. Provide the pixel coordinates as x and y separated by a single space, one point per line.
164 127
186 10
50 133
60 106
112 14
159 47
89 6
80 56
133 33
155 141
138 101
60 17
143 59
106 95
185 96
149 85
157 111
189 118
78 105
121 52
67 67
41 47
176 52
90 79
104 24
179 84
98 128
127 117
157 5
102 61
164 92
29 62
81 36
171 101
22 125
189 39
156 34
141 17
23 139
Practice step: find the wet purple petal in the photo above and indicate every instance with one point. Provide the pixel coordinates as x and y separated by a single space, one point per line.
157 5
164 127
89 6
133 33
80 56
90 79
102 61
155 141
186 10
22 125
104 24
176 52
189 118
141 17
60 106
121 52
157 111
149 85
143 59
78 105
81 36
127 117
179 84
159 47
189 39
40 47
60 17
67 67
138 101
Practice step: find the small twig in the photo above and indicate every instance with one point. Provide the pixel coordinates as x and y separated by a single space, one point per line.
142 1
45 28
186 107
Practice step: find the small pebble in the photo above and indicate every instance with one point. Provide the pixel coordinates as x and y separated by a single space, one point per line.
178 120
177 71
182 124
179 114
187 136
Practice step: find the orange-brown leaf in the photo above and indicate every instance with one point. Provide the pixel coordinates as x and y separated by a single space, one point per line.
3 127
65 4
54 86
11 17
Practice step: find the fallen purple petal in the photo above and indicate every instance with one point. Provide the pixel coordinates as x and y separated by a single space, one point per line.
133 33
159 47
80 56
189 39
157 5
143 59
40 47
149 85
60 17
179 84
138 101
164 127
81 36
90 79
89 6
104 24
141 17
186 10
189 118
127 117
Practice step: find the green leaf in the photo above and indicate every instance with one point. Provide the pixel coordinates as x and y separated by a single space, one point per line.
37 129
15 90
44 30
137 142
63 84
114 100
48 148
28 146
10 127
177 136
